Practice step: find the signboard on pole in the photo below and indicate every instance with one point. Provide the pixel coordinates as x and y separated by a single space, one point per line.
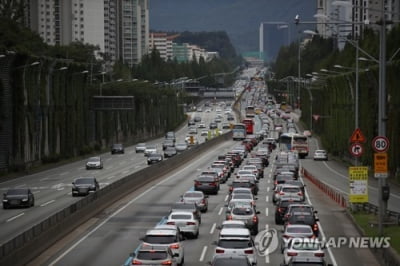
381 165
358 181
357 136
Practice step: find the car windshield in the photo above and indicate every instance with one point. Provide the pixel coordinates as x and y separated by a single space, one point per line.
141 145
94 159
242 196
242 211
302 230
117 145
234 226
18 191
302 245
181 217
234 243
192 195
84 181
152 255
160 239
290 189
241 184
206 179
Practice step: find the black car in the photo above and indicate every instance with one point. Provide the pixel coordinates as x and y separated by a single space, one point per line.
169 152
213 125
117 148
207 184
154 158
281 208
304 217
84 185
18 197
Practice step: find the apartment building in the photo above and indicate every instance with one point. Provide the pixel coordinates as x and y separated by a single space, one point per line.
118 27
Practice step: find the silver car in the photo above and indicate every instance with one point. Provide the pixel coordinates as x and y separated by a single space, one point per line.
167 237
236 241
94 163
295 231
150 149
247 214
140 147
198 197
186 221
152 255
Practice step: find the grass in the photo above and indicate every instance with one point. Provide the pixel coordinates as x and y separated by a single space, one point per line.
363 219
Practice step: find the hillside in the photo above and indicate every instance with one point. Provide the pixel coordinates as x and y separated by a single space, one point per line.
239 18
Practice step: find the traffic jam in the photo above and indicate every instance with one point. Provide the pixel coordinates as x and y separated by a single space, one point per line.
257 159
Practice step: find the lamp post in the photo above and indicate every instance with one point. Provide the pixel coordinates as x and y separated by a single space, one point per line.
280 25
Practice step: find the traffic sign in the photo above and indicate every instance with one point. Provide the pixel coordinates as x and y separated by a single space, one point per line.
356 149
380 144
357 136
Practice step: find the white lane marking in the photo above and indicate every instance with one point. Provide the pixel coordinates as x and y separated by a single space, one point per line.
226 198
266 211
125 172
65 173
21 186
267 255
269 181
267 198
111 177
268 188
61 188
220 211
15 217
321 231
52 263
47 203
137 166
203 253
213 228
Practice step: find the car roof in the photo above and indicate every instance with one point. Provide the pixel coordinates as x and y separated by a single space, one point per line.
226 232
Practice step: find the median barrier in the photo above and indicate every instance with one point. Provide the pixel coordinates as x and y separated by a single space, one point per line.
32 242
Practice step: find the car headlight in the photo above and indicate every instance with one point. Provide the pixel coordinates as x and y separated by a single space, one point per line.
5 200
24 199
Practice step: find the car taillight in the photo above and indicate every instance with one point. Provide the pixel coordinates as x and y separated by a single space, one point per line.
213 184
190 223
203 201
171 223
292 253
286 236
230 189
136 262
229 217
219 251
300 194
168 262
280 210
250 251
315 227
255 219
174 246
281 193
197 183
319 254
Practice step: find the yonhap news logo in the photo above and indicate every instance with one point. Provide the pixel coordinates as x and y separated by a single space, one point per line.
266 242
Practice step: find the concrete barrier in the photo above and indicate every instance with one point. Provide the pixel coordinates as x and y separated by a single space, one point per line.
31 243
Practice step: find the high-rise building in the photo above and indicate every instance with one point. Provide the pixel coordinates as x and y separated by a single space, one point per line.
119 28
353 17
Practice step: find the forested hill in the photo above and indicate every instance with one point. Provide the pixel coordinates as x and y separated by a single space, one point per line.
217 41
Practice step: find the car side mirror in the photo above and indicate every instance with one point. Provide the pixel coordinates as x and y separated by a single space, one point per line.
219 227
258 212
315 211
206 196
214 243
73 183
226 205
133 254
141 238
256 198
317 219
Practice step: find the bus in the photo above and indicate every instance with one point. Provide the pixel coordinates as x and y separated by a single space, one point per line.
239 131
285 139
250 111
299 143
249 125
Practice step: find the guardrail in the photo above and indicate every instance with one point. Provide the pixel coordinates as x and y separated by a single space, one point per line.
31 243
342 201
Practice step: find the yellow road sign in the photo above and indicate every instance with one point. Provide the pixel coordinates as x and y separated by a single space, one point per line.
358 183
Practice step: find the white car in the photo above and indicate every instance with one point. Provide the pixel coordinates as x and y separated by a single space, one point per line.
181 146
140 147
94 163
302 247
186 221
168 237
232 224
321 155
236 241
150 149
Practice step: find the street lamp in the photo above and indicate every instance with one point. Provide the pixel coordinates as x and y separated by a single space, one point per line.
280 25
